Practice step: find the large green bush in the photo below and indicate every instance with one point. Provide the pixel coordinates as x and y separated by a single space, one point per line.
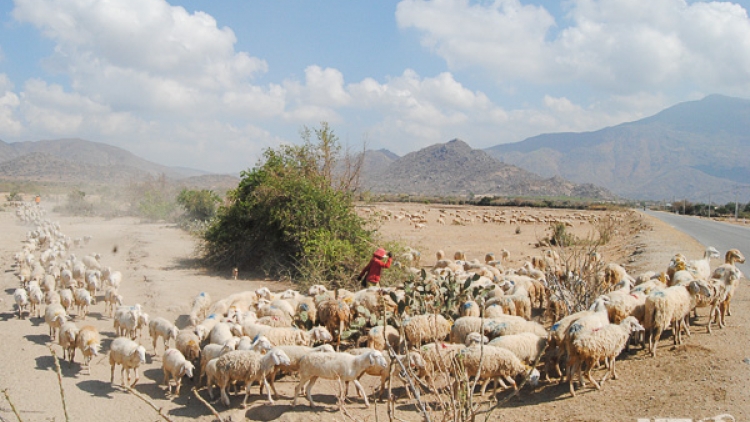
291 215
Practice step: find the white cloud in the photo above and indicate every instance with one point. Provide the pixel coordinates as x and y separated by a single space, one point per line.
142 54
503 35
621 46
9 102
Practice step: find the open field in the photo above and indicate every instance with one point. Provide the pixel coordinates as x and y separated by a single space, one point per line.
703 378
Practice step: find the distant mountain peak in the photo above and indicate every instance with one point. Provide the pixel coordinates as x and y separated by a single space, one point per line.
454 168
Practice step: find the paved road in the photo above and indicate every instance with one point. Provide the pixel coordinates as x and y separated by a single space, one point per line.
722 236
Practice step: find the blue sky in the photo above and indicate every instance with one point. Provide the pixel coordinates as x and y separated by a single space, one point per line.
210 84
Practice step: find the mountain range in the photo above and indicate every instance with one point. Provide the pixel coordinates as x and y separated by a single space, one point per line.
694 150
455 169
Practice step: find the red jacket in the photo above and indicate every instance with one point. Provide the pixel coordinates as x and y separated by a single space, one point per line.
374 268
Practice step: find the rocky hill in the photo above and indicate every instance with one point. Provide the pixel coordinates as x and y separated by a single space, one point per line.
692 150
81 162
455 169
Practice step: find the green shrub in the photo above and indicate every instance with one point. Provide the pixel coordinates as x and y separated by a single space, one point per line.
291 216
198 204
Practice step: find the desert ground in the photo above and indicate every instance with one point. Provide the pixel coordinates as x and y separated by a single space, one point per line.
707 376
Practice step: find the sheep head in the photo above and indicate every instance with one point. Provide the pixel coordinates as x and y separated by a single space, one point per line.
140 351
278 357
376 359
734 255
260 344
699 287
187 368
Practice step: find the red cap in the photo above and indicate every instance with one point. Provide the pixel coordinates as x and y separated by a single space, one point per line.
380 253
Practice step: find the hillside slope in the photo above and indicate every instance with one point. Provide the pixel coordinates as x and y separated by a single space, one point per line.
691 150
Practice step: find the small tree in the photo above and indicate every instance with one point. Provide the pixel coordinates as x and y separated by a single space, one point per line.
199 204
293 214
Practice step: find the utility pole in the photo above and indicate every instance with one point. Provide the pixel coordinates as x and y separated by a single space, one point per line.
709 205
736 206
683 206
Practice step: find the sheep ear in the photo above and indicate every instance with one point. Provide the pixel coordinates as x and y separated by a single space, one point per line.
276 360
372 359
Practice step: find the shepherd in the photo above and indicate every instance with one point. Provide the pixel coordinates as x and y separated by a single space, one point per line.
370 275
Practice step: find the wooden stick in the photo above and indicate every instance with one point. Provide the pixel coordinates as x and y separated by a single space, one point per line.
59 381
15 411
159 410
208 405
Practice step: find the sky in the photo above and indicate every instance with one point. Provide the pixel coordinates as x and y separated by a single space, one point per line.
211 84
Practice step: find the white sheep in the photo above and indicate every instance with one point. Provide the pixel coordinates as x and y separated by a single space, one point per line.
203 329
55 316
509 324
671 306
210 352
469 308
129 355
199 308
335 366
526 346
188 343
294 353
220 333
376 340
93 284
247 366
724 270
414 361
419 329
175 366
279 336
605 343
493 363
126 320
67 340
701 268
161 327
51 296
22 300
212 374
88 342
66 299
112 300
83 300
35 299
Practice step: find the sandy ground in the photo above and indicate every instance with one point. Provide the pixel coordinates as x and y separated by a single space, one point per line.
703 378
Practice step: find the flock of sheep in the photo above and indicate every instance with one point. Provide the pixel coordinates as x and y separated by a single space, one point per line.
252 336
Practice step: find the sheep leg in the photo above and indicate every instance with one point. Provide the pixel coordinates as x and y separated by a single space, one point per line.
309 390
224 396
362 391
654 341
166 382
723 310
298 390
270 383
135 381
112 375
265 382
591 378
178 384
686 323
711 312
